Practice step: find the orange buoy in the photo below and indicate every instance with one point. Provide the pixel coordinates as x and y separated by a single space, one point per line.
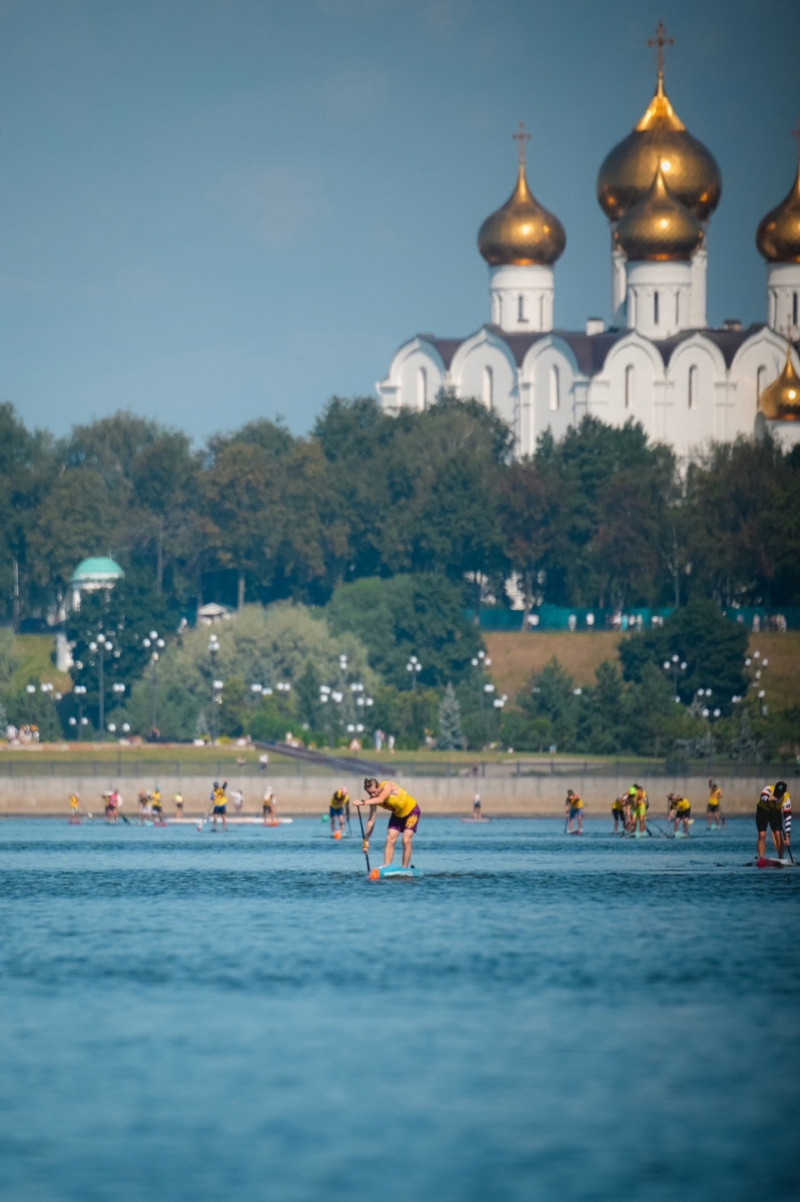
375 875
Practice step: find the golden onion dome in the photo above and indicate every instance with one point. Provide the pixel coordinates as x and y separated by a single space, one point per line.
522 232
780 400
659 227
659 139
778 235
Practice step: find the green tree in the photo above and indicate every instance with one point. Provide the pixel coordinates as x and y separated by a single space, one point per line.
418 615
451 737
712 647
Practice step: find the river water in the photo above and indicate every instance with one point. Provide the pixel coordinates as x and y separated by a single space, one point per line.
244 1016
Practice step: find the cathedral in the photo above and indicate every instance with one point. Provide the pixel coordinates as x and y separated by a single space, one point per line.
657 361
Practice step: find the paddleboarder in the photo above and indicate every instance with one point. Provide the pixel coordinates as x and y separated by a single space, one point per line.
618 813
337 811
404 816
219 797
476 808
774 810
714 807
573 808
269 808
681 810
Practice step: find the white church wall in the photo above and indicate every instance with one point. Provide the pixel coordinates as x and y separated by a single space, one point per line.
484 368
415 378
696 396
630 384
756 364
547 384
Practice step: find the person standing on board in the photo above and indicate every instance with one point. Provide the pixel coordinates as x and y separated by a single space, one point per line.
639 810
336 811
476 808
404 816
178 800
774 810
680 808
269 808
714 808
618 813
573 808
157 806
220 800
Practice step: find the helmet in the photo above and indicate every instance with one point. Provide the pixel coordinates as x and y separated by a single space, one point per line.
632 791
780 788
216 784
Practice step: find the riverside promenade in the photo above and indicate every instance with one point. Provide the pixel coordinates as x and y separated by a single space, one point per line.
514 796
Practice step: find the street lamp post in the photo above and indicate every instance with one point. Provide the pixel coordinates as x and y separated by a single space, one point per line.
414 667
154 644
675 665
99 647
80 693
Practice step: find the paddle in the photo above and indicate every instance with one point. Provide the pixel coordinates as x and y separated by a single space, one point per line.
363 838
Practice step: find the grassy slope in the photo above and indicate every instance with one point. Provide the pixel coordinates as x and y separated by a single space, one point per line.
517 655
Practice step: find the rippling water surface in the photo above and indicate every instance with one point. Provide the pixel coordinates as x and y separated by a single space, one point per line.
245 1016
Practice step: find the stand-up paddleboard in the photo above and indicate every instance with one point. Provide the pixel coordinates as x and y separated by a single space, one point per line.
574 832
389 870
773 862
476 820
74 821
274 822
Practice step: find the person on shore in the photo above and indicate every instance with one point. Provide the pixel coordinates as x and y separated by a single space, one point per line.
269 809
714 809
404 816
618 813
680 812
336 811
219 797
774 810
573 808
178 800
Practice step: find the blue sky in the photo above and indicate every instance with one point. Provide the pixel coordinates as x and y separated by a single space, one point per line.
219 210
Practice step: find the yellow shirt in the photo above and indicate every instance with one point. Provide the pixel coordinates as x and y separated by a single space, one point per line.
399 802
74 802
682 805
339 799
576 803
715 797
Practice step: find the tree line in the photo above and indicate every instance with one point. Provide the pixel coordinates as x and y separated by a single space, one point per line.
601 518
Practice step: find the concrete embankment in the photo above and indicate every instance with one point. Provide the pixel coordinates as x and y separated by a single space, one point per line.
510 796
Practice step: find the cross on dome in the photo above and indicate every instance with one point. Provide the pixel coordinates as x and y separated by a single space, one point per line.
522 136
660 41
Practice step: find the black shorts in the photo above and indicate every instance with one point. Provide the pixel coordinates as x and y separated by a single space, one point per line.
768 818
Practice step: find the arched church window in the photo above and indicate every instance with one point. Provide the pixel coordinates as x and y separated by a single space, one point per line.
488 387
555 388
773 308
761 381
629 386
655 308
422 388
692 388
541 311
521 309
794 308
677 309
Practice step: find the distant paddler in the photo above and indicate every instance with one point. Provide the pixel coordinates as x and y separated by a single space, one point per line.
219 798
74 809
680 812
404 816
573 808
337 811
618 813
639 810
774 810
714 809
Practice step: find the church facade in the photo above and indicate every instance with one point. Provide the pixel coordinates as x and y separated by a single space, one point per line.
656 362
